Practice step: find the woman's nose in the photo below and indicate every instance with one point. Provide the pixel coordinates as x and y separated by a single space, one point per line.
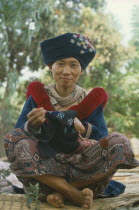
66 70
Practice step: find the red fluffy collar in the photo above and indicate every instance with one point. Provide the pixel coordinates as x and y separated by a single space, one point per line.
96 97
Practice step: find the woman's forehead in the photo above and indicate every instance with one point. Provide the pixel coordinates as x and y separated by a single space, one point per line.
71 59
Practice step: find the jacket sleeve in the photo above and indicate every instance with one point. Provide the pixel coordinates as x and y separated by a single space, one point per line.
95 124
23 123
92 132
28 106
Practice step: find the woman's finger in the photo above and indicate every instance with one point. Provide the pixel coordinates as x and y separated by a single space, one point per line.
37 122
36 114
36 111
36 117
79 126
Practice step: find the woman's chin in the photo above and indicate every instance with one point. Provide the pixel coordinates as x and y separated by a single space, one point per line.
66 84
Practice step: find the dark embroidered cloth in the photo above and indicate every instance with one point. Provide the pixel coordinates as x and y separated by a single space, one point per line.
62 135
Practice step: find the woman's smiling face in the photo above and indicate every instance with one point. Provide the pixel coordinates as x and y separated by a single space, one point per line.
66 72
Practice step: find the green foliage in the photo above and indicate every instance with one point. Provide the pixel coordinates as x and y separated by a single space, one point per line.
32 195
112 69
134 42
123 109
135 23
3 175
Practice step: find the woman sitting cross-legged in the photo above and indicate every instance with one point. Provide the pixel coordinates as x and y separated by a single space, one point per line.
60 139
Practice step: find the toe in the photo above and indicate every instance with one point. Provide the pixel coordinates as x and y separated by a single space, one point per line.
56 198
85 207
59 201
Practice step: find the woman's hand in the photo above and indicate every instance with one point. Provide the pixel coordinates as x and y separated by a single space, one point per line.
36 117
79 126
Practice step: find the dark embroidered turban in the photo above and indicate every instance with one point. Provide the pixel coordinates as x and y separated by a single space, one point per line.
66 46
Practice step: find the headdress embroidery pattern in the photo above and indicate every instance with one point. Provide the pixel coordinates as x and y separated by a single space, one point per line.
83 42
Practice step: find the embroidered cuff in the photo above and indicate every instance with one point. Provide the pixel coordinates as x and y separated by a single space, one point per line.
88 128
28 128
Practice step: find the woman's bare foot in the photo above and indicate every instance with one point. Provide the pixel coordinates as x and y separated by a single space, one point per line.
82 198
65 190
88 199
56 200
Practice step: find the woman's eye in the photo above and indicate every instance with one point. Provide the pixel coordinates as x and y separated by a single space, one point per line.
60 64
73 65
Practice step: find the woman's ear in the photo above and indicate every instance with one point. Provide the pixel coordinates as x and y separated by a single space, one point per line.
82 70
82 73
50 66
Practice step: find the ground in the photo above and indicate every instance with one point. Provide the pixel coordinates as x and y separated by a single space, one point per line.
128 200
